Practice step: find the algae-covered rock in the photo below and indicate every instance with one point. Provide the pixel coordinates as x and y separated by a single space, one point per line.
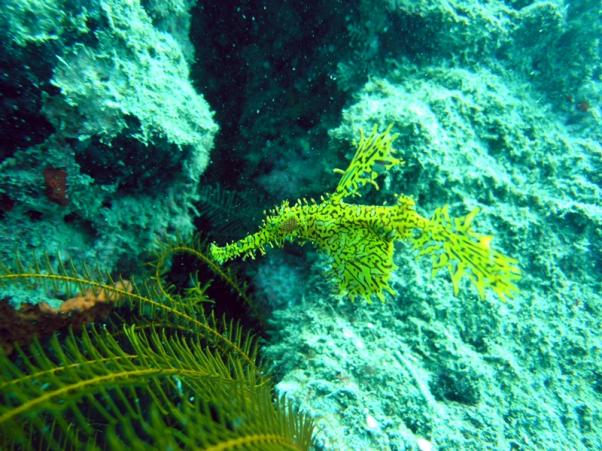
124 138
427 369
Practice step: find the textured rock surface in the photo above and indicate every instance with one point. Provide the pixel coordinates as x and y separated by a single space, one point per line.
486 119
497 105
100 91
458 372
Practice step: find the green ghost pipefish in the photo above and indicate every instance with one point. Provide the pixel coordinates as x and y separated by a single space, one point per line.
360 238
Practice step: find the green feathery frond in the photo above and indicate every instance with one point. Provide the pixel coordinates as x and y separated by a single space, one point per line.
195 248
95 376
258 425
150 299
181 380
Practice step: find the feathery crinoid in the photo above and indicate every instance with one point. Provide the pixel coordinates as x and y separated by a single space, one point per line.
171 376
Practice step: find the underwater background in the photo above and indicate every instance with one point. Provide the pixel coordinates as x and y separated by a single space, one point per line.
125 124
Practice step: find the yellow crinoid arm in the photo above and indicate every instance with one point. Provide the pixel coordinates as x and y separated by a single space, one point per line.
372 151
454 245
